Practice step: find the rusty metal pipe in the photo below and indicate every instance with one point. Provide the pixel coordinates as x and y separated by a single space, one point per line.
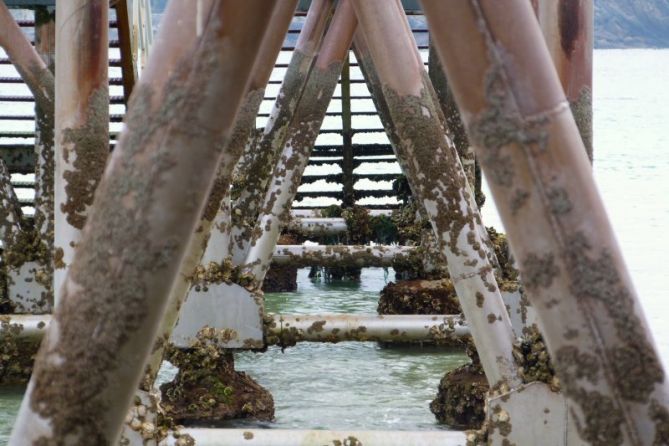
300 138
568 28
520 123
435 173
146 209
81 122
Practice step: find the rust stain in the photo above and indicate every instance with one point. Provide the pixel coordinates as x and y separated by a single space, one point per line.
94 37
569 23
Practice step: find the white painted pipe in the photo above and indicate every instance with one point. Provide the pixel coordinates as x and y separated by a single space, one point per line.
292 437
81 123
339 255
324 327
435 173
317 212
319 225
32 326
364 327
300 137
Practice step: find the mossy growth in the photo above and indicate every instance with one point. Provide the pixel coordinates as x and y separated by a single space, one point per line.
207 389
16 353
412 266
507 276
282 279
287 337
402 189
147 418
479 196
224 272
362 229
23 247
332 211
6 305
533 359
410 224
419 297
460 401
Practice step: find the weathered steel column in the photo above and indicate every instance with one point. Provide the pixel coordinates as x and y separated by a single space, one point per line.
568 27
146 209
243 139
364 58
455 127
25 59
45 35
256 174
39 80
82 121
347 164
437 178
10 210
210 240
45 44
128 61
300 137
520 123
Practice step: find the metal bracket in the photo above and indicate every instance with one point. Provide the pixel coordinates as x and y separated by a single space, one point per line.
531 411
26 294
221 306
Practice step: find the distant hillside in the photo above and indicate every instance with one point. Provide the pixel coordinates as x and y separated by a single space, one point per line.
618 23
631 23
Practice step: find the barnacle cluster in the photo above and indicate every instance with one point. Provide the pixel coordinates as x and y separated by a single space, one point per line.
207 388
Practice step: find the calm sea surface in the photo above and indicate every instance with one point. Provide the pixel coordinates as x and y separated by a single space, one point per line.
353 385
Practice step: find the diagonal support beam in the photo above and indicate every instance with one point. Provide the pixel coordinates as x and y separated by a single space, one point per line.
520 123
81 124
209 242
25 58
568 29
300 138
432 166
19 244
39 80
255 169
146 209
126 47
45 45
